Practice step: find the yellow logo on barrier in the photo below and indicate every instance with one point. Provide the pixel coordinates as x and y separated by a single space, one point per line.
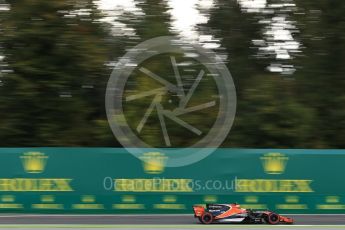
34 162
274 163
154 162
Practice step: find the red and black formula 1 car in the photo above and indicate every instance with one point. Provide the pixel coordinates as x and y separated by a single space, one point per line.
233 213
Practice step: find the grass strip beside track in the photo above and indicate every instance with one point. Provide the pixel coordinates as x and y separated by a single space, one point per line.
213 226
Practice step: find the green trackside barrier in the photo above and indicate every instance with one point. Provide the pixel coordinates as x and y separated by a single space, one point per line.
111 180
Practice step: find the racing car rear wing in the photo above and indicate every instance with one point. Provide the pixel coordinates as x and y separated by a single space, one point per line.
198 210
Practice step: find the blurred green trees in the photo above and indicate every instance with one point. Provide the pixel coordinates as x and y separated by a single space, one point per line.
56 52
299 111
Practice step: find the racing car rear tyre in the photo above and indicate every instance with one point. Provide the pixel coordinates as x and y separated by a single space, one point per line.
206 218
273 218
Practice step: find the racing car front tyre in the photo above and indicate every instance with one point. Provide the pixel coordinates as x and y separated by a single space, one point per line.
206 218
273 218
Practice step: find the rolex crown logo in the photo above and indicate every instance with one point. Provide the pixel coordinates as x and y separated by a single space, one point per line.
274 163
153 162
34 162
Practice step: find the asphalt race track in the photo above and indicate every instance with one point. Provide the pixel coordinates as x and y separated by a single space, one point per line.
8 219
156 222
177 227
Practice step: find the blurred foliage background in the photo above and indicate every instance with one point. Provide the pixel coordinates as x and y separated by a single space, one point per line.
287 58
